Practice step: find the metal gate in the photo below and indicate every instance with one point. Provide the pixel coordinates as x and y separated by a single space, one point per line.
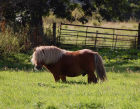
97 37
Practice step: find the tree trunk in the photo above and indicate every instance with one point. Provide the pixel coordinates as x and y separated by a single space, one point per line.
36 29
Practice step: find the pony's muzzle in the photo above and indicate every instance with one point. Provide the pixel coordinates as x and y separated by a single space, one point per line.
38 67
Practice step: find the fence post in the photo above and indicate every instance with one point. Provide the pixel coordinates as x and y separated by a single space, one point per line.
138 44
96 39
113 38
54 33
86 36
76 38
60 33
116 42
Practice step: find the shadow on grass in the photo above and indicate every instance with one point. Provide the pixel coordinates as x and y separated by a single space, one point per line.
76 82
15 61
86 106
63 85
51 85
79 106
123 66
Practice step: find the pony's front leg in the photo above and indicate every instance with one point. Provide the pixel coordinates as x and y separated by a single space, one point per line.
56 77
92 78
63 78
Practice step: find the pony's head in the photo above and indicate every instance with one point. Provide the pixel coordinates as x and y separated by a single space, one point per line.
36 60
46 55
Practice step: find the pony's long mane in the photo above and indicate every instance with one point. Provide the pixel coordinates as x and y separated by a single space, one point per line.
47 54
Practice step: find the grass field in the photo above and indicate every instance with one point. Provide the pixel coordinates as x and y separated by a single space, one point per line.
21 88
29 90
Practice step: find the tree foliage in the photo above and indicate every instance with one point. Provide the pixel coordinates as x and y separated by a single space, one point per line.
27 10
113 10
30 12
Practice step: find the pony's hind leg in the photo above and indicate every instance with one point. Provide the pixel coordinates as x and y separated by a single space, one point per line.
92 78
63 78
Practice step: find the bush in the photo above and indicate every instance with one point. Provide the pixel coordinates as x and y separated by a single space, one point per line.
9 43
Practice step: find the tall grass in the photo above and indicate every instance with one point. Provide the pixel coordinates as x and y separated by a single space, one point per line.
13 42
9 42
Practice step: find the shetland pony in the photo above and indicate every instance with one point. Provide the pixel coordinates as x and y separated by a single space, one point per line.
62 63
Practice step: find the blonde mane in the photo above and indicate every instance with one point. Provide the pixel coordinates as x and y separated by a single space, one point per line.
47 54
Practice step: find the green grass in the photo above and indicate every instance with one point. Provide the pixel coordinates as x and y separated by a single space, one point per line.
30 90
21 88
19 61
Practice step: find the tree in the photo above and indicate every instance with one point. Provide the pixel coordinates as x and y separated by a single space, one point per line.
31 11
113 10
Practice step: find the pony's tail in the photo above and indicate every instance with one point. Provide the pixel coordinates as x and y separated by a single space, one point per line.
100 70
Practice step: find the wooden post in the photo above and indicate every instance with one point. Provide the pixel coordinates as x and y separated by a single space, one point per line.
59 36
138 44
96 38
135 42
86 36
77 39
54 33
116 42
113 38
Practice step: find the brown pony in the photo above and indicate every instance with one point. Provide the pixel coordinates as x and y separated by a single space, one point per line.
62 63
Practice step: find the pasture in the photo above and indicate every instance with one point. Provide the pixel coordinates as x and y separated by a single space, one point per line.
29 90
22 88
